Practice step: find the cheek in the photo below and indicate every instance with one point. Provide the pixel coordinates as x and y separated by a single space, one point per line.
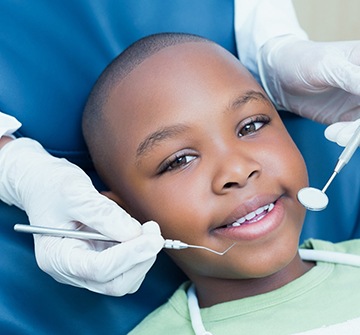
287 166
285 161
172 205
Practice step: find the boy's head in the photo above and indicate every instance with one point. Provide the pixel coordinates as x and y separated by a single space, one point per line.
185 136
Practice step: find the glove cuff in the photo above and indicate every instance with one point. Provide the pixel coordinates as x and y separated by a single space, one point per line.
267 70
8 125
20 160
259 21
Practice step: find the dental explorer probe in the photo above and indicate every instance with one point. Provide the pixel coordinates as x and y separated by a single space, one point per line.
316 200
85 235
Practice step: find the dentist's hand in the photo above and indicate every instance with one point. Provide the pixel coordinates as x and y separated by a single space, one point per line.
318 80
341 132
58 194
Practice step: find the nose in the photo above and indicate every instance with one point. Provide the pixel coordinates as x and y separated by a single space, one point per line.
235 169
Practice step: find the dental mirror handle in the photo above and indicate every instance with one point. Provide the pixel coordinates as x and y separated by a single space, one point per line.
345 156
349 150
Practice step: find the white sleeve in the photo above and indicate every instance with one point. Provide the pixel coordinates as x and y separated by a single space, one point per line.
258 21
8 125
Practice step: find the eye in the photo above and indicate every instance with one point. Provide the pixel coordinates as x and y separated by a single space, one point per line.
253 125
176 162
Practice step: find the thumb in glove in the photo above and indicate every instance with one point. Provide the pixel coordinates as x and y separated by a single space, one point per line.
341 132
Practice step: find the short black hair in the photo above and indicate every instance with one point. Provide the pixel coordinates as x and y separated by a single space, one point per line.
94 122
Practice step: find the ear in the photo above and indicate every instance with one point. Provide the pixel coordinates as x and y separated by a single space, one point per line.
114 197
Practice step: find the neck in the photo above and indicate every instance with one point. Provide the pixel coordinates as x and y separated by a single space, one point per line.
212 291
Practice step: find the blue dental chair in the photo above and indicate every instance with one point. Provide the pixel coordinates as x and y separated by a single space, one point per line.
51 53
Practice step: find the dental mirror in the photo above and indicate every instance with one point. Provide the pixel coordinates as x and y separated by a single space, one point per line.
313 198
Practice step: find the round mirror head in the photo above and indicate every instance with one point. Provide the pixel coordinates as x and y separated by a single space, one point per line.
313 199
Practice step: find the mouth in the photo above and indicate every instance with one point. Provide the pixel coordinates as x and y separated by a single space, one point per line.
253 216
252 224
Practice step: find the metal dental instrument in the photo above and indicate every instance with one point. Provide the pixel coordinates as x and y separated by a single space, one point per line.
85 235
177 245
316 200
81 235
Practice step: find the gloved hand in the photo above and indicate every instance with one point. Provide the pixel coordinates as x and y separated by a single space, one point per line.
56 193
341 132
318 80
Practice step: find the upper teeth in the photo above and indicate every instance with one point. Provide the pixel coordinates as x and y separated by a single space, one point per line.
251 215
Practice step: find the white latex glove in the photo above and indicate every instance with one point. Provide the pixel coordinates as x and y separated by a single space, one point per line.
341 132
318 80
56 193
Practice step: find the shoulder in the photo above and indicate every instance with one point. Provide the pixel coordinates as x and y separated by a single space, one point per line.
348 247
169 318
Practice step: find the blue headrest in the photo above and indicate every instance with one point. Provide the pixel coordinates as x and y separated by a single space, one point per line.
52 52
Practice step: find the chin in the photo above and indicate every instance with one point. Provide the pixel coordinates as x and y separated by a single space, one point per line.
260 263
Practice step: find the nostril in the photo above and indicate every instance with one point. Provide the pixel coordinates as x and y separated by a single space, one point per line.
234 184
229 185
252 174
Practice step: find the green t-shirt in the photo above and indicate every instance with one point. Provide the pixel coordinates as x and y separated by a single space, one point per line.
328 294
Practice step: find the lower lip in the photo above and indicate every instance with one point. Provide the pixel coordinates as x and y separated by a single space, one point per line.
258 229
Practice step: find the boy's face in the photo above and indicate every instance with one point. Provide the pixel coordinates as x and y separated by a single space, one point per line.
199 147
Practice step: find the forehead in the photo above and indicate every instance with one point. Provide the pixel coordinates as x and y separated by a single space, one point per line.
193 68
175 83
183 63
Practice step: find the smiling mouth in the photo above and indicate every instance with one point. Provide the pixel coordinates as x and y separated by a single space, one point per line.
251 217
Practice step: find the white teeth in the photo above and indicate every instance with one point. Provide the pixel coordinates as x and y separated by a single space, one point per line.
271 206
251 215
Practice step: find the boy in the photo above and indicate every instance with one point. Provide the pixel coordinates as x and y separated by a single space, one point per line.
183 135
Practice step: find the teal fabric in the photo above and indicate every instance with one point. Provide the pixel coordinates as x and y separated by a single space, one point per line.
51 53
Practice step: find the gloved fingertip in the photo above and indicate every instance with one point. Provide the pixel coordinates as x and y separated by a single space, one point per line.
151 240
331 132
341 132
151 227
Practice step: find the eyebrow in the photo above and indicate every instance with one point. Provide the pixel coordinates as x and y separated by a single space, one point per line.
248 96
158 136
171 131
